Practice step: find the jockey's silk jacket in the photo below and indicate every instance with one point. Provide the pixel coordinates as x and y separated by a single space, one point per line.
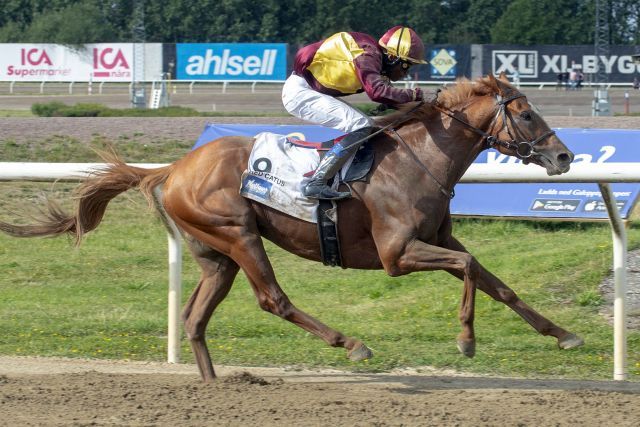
348 63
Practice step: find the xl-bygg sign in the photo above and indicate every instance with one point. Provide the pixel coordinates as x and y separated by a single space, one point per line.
526 62
545 62
223 61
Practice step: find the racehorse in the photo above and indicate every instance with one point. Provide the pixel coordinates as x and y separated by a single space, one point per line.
398 220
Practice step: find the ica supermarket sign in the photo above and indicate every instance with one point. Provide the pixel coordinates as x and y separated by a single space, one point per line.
52 62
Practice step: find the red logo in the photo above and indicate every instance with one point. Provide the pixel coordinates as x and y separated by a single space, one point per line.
34 57
107 60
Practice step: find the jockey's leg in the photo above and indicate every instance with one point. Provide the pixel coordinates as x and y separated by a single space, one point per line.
302 101
331 164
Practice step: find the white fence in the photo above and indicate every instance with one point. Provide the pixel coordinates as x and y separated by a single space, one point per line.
600 173
192 86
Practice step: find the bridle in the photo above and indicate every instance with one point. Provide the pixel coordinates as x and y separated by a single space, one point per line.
522 149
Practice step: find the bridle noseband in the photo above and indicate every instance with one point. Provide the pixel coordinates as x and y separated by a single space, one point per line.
522 149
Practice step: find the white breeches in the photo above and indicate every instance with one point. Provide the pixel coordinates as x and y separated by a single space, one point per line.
302 101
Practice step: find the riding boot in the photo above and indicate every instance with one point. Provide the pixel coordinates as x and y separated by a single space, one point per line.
331 164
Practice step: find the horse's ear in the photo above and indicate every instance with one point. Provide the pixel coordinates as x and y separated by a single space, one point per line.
494 83
498 84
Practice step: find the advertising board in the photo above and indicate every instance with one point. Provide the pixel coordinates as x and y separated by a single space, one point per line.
548 200
447 62
231 61
544 62
23 62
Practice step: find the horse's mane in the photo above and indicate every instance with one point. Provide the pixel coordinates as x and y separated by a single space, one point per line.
459 93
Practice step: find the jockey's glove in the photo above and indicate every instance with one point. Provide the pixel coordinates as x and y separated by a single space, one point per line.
418 95
379 110
428 97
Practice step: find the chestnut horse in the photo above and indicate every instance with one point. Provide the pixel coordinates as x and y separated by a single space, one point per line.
398 220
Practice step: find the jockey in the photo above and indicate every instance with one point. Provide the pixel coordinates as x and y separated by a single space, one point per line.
344 64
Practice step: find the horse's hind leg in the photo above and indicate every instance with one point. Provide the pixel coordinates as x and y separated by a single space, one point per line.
218 273
497 290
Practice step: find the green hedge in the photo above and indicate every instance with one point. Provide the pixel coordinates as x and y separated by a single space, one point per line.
59 109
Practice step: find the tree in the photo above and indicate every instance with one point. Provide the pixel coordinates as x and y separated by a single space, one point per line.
304 21
78 23
478 20
624 22
545 22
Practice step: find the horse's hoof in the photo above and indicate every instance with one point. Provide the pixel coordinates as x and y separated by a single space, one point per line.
467 347
359 352
570 341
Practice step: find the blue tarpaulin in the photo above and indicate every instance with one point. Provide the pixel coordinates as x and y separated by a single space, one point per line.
548 200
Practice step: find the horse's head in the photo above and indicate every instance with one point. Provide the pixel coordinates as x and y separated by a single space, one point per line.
519 131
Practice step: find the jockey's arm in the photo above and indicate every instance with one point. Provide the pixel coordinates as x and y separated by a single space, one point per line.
377 86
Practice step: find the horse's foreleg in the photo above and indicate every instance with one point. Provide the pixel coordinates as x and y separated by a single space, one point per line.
420 256
271 298
497 290
218 273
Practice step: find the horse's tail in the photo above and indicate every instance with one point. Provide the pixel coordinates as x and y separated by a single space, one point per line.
92 196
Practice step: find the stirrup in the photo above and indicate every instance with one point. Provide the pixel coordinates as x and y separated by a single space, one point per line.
322 191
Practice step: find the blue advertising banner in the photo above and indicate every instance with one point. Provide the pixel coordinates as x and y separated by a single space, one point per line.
544 200
231 61
556 200
447 62
303 132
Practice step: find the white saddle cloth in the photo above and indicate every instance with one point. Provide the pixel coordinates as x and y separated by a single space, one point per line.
275 175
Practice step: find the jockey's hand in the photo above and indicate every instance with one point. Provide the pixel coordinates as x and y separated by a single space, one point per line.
418 95
430 98
379 110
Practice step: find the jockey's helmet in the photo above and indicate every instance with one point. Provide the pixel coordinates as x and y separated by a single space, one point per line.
404 44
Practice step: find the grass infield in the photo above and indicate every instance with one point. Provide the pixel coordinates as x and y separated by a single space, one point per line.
108 298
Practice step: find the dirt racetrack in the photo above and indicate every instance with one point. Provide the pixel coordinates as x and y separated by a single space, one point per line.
64 392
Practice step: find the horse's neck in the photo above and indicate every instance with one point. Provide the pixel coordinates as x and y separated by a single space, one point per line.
449 147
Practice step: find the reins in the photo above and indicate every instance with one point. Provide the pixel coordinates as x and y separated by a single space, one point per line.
406 116
450 194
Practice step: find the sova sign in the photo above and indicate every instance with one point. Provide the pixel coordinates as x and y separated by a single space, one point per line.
224 61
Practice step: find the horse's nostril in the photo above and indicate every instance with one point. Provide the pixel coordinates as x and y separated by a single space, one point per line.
565 158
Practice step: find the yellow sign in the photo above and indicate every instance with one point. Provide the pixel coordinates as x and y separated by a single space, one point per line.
443 62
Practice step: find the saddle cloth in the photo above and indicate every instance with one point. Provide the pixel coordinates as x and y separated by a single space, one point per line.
275 175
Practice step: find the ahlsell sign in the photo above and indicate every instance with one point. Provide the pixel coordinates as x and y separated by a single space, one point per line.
51 62
239 61
545 62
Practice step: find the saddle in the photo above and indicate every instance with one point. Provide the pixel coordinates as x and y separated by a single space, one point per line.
360 166
327 213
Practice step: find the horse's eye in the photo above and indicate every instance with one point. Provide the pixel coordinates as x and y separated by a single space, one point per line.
526 115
